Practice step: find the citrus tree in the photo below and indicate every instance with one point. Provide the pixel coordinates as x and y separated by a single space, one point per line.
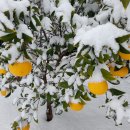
64 53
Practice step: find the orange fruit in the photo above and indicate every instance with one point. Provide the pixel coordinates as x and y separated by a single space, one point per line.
2 71
4 93
20 69
98 88
27 127
76 106
124 56
120 73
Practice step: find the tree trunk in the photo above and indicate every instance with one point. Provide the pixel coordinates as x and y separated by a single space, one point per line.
49 113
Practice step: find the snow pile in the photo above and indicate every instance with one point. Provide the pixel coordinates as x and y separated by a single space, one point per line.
118 11
57 40
99 37
11 5
103 16
80 20
116 110
64 9
46 6
6 21
13 52
46 23
51 89
23 29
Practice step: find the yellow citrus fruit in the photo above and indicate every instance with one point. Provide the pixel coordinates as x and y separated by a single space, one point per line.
2 71
121 72
98 88
4 92
76 106
20 69
27 127
124 56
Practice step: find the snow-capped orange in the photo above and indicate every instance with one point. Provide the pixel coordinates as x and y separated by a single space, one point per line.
2 71
98 88
122 72
124 56
76 106
27 127
20 69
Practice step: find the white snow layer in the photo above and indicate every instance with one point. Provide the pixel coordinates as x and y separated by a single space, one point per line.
10 5
46 23
100 36
64 9
23 28
119 11
6 21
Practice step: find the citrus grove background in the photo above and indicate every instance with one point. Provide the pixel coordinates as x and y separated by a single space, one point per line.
64 64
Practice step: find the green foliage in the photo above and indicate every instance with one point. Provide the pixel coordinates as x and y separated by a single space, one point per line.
123 38
123 50
8 37
63 84
90 70
125 3
107 75
116 92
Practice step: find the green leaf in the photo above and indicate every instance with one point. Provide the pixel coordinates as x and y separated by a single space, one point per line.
85 97
15 125
27 38
92 95
69 73
86 60
63 84
35 120
78 62
37 20
100 58
123 50
125 3
48 97
68 36
65 105
106 57
49 67
90 70
8 37
126 104
32 26
116 92
78 94
107 75
81 88
7 14
72 2
123 38
71 48
50 51
16 20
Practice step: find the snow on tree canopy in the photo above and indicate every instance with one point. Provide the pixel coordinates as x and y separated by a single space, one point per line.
6 21
69 43
102 35
118 11
64 9
10 5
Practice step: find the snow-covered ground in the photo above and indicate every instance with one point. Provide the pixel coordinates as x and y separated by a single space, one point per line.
91 118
